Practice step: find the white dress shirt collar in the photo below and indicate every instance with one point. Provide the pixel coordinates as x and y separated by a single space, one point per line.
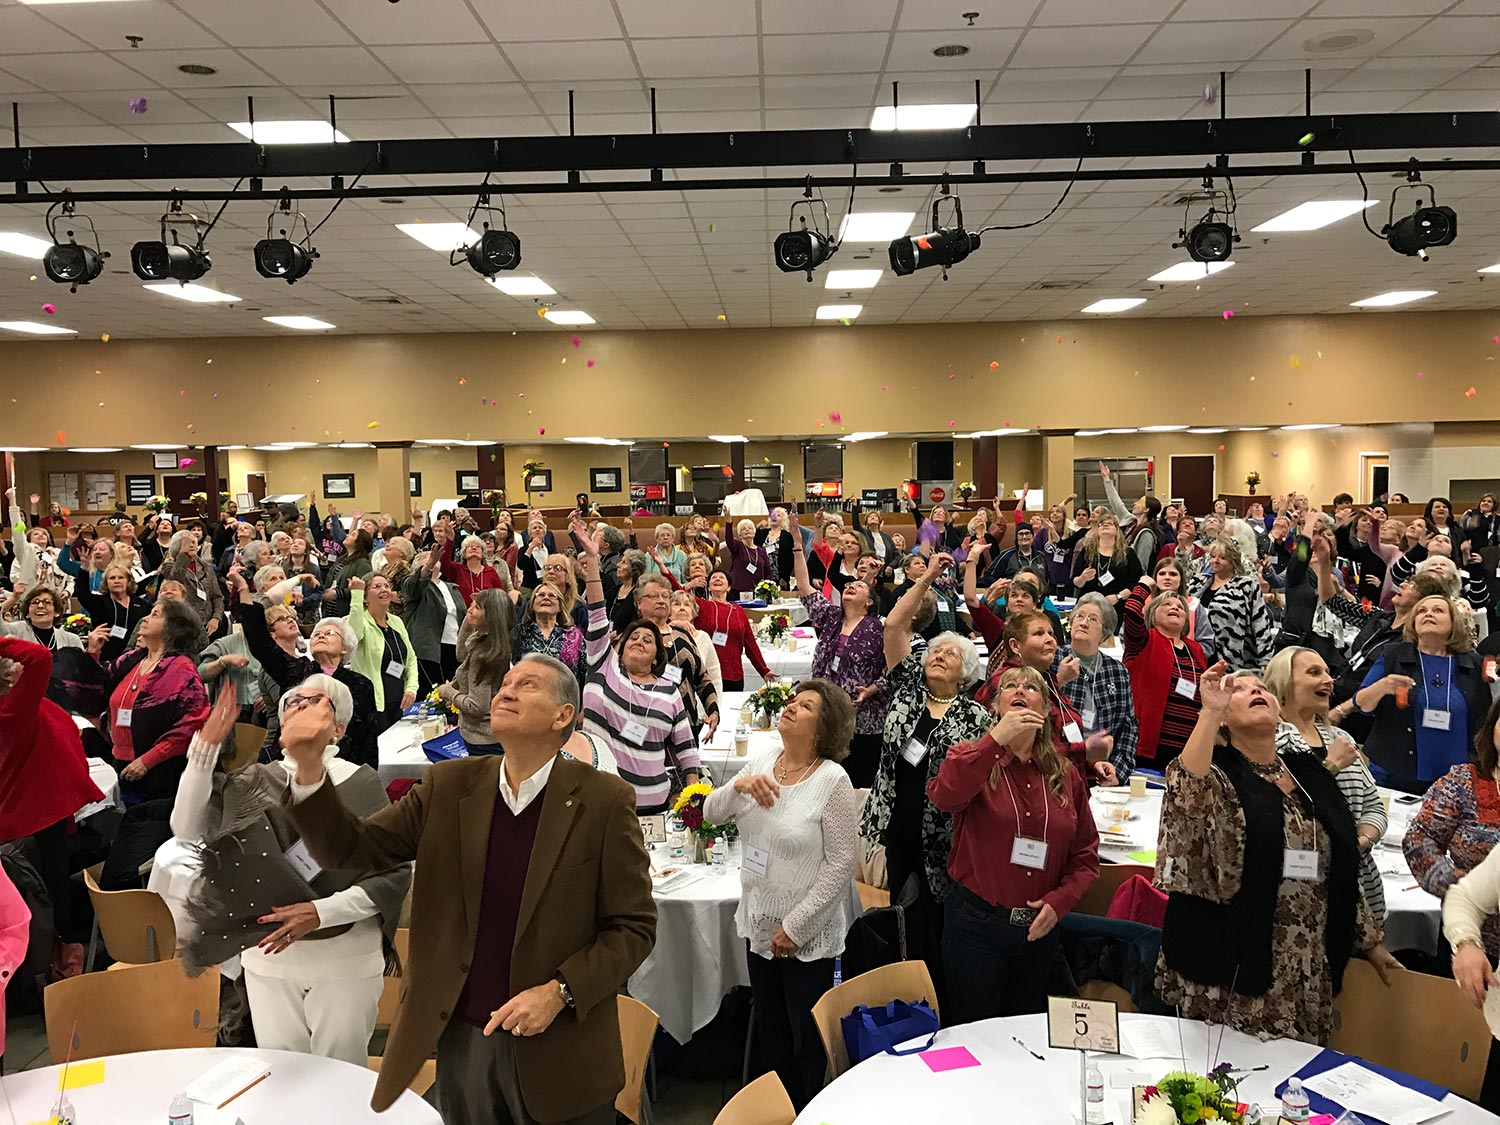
517 800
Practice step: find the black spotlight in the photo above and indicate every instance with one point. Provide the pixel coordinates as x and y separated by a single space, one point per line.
279 255
1210 242
1425 227
806 243
168 261
1213 237
942 246
496 250
71 262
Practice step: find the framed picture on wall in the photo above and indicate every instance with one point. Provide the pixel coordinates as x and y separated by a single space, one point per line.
541 481
338 485
604 480
414 484
161 460
139 489
467 482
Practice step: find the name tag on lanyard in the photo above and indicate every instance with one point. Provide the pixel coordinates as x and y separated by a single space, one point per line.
1297 863
1026 852
720 638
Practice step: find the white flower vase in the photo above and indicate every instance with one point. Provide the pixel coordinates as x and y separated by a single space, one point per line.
763 720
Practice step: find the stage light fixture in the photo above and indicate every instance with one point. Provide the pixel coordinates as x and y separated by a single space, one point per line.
1211 238
1425 227
804 246
172 261
285 257
71 263
942 246
496 250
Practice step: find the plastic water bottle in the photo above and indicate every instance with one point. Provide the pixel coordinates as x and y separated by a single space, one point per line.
718 854
181 1111
838 971
676 838
1294 1106
1094 1080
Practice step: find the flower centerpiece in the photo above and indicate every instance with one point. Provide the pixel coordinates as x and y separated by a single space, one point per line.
1180 1098
768 700
78 624
528 470
689 806
156 504
436 706
767 591
775 626
965 489
1252 478
495 498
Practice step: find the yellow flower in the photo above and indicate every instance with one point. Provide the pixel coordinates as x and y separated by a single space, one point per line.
685 798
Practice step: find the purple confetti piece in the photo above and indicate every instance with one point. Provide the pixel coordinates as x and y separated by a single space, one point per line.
959 555
137 105
929 534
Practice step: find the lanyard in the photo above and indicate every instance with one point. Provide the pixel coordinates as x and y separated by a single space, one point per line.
1046 807
393 649
1447 682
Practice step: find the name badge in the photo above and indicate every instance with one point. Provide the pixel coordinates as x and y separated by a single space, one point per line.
835 665
1433 719
942 606
1088 718
1071 732
915 751
202 594
1185 688
302 861
1299 864
1105 578
1025 852
672 673
634 731
395 669
117 632
749 568
755 860
122 717
720 638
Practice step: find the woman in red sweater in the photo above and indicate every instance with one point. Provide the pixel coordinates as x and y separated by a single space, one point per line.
471 575
1165 665
726 624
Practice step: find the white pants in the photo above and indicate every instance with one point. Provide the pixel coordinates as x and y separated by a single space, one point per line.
331 1018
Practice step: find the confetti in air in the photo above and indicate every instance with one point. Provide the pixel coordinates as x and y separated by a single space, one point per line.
137 105
1294 362
577 340
1228 314
541 430
184 462
590 363
1470 393
462 382
994 365
105 338
371 425
1210 95
1421 375
50 310
835 417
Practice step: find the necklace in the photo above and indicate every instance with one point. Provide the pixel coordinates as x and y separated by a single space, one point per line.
940 700
1270 771
782 771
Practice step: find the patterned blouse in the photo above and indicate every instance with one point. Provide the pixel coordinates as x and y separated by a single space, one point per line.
1457 825
1102 695
1244 633
852 661
564 643
964 721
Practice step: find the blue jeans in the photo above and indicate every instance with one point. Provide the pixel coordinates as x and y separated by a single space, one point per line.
992 969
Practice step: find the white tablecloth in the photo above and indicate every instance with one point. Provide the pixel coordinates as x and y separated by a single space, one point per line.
718 753
138 1088
103 775
401 754
795 665
1010 1085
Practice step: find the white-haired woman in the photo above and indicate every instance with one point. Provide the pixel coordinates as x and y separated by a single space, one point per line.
666 557
629 571
533 554
1101 687
1244 634
779 543
748 564
471 574
197 578
314 965
928 712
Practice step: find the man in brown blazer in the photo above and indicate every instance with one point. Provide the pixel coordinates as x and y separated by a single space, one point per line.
531 907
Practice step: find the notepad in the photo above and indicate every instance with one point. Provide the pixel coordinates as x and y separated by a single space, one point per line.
77 1075
228 1080
948 1058
676 881
1143 857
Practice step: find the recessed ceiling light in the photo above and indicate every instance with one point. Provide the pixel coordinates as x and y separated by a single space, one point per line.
865 435
1114 304
295 444
1120 430
1253 429
1161 429
1395 297
201 70
911 118
23 245
852 279
1002 432
301 323
34 328
727 438
1314 215
1208 430
598 441
569 316
454 441
875 227
343 445
289 132
1087 433
154 447
1190 271
95 449
1311 426
1340 40
442 237
22 449
838 312
198 294
515 286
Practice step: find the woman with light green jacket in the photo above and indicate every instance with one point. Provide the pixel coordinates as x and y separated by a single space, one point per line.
385 655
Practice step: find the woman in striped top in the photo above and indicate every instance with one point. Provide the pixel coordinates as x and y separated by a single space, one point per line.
1165 666
627 702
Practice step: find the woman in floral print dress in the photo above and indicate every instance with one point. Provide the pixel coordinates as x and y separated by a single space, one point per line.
1259 857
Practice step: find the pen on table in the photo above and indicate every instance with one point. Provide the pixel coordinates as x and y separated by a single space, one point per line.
1413 887
1250 1069
1028 1050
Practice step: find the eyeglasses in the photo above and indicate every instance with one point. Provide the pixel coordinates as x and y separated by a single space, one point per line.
297 701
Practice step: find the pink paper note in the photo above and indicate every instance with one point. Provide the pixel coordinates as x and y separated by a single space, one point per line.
1320 1119
948 1058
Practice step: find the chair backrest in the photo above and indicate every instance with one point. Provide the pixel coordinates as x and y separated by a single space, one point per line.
136 924
139 1008
390 990
248 739
763 1102
905 980
637 1034
1096 899
1421 1024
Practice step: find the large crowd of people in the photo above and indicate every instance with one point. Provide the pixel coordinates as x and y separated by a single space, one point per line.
974 675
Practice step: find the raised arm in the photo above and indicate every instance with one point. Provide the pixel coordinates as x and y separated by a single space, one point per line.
898 625
596 639
1214 691
799 558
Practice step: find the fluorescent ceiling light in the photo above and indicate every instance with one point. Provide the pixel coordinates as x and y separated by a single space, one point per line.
1487 269
269 448
301 323
161 447
198 294
913 117
1121 430
1190 271
23 449
522 286
727 438
569 316
38 3
598 441
1087 433
1114 304
865 435
1208 430
346 445
455 441
852 279
1311 426
295 444
23 245
1253 429
234 447
838 312
442 237
1314 215
36 328
95 449
289 132
875 226
1395 297
1002 432
1161 429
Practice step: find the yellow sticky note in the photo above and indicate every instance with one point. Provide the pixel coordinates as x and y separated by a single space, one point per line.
77 1075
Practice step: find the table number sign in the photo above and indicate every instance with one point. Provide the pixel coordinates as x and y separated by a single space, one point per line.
1076 1024
654 829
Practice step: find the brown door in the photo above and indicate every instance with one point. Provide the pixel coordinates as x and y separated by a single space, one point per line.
178 488
255 484
1193 482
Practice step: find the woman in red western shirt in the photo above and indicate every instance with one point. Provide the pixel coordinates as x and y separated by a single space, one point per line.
727 625
1024 852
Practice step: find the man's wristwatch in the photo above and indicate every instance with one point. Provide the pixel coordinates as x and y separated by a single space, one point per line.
566 992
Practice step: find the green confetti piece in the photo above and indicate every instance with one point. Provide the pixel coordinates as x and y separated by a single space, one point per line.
1143 857
1307 139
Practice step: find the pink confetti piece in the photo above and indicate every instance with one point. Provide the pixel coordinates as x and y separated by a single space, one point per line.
521 394
885 388
951 377
591 363
541 430
1421 375
184 462
577 340
952 422
50 310
1228 314
835 417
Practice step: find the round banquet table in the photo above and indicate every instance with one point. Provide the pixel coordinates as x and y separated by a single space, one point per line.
795 665
400 749
1010 1085
138 1088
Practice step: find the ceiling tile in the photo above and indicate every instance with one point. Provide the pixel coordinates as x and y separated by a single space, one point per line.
1081 13
1337 9
161 67
160 26
666 19
24 32
1451 36
73 72
1387 32
478 62
431 21
1080 46
579 59
330 66
988 51
1216 43
927 15
814 92
691 58
512 22
272 23
849 53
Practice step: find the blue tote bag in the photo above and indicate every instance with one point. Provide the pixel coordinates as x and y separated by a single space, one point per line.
876 1031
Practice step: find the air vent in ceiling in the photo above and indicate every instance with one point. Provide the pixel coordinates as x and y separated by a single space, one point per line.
1054 286
386 299
1186 199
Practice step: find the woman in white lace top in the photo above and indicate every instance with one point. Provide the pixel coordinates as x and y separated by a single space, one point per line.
797 819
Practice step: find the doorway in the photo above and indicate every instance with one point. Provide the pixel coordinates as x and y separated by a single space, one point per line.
1374 476
255 485
1193 482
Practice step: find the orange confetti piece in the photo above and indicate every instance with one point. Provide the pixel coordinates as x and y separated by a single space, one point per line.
1470 393
994 365
462 382
105 338
1221 449
60 439
542 313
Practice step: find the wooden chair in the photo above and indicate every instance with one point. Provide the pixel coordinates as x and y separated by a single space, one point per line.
870 897
638 1025
248 739
136 925
1112 876
385 1014
905 980
140 1008
763 1102
1420 1024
